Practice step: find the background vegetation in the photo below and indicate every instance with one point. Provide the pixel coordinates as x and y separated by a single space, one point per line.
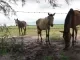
31 30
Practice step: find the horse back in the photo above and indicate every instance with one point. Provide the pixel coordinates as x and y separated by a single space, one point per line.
76 17
22 24
42 20
42 23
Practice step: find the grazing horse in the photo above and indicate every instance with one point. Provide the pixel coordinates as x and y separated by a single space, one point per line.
21 25
75 30
71 21
44 24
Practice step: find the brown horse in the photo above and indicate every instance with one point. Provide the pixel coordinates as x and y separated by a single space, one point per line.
44 24
71 21
21 25
75 30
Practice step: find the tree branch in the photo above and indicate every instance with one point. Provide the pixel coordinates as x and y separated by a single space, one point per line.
6 8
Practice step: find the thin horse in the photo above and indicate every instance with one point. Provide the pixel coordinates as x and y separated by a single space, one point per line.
21 25
44 24
71 21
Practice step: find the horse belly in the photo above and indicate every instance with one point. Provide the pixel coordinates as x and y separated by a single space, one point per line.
43 27
43 24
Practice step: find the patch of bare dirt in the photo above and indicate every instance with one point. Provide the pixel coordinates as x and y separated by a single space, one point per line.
41 51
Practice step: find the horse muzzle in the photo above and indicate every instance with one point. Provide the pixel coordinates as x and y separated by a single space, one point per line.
51 25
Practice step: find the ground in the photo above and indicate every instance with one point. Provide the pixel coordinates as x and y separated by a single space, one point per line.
41 51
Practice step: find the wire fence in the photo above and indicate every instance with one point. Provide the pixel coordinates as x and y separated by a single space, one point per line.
39 12
36 12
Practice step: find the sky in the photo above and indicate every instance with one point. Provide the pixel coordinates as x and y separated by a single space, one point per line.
32 6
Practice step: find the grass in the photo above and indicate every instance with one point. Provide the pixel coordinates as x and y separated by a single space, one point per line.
48 58
64 57
32 30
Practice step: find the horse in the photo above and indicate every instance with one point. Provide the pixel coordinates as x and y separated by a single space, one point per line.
21 25
75 30
44 24
71 21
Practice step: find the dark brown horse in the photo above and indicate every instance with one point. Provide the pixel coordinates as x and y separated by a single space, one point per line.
44 24
21 25
71 21
75 35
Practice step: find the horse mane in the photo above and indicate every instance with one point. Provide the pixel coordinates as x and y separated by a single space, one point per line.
67 20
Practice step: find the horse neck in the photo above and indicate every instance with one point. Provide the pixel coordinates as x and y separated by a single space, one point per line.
67 29
47 19
19 22
68 20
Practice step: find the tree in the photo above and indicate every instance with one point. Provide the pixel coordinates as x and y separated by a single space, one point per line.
7 9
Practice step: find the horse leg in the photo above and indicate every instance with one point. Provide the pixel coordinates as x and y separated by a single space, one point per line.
19 31
73 37
41 35
25 31
48 36
38 35
75 34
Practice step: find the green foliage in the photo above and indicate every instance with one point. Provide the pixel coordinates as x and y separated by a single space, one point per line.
9 45
3 43
48 58
3 51
32 30
3 47
63 57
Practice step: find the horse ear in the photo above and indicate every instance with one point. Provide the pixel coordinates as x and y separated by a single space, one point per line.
61 31
17 19
48 14
53 14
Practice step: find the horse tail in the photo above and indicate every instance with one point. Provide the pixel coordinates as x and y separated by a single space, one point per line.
25 28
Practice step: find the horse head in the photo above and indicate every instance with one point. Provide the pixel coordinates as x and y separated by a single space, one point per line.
69 34
51 18
16 21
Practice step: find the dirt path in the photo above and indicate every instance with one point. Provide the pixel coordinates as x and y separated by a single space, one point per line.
56 48
43 51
